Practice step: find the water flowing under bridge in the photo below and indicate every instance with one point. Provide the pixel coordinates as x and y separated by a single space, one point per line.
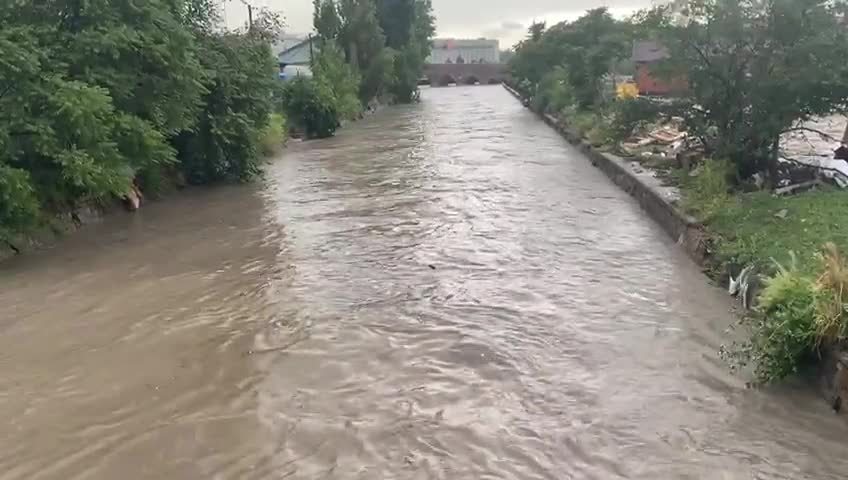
444 74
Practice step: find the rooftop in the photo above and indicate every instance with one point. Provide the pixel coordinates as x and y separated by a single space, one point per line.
464 43
648 51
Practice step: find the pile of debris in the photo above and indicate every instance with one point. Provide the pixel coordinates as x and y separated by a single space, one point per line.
664 141
813 153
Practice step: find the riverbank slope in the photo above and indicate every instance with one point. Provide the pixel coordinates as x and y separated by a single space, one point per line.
748 231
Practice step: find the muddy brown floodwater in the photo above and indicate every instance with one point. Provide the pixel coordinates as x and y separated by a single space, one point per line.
443 291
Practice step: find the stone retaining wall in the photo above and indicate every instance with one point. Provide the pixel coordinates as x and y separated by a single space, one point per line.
832 374
644 189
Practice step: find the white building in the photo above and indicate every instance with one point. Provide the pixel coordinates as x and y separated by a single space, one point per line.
295 57
452 50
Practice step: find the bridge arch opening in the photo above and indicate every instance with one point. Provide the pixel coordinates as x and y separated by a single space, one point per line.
471 80
446 80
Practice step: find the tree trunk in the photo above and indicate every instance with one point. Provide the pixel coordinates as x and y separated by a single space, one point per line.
774 162
354 58
845 135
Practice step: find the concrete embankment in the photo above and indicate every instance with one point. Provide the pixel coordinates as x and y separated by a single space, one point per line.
832 372
656 199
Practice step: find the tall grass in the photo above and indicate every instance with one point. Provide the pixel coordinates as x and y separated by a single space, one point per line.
708 194
798 314
831 324
783 335
273 136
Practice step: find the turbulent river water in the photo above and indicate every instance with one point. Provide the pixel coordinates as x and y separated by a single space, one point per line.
443 291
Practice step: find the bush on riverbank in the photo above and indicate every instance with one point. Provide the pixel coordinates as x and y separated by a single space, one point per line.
98 99
366 51
311 106
273 136
799 314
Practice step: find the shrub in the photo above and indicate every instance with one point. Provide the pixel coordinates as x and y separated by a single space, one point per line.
98 99
630 113
795 317
554 92
273 136
783 335
599 135
708 194
310 105
334 75
582 122
18 203
239 85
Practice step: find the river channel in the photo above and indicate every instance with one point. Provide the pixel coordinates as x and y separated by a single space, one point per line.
442 291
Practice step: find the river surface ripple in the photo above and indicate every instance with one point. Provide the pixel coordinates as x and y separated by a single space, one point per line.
443 291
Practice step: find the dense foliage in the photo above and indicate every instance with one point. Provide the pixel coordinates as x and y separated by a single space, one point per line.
584 51
99 98
755 70
311 106
367 50
385 43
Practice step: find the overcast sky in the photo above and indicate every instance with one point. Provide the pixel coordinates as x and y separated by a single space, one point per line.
505 20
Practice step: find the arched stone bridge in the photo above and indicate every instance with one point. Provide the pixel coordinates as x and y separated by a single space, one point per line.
444 74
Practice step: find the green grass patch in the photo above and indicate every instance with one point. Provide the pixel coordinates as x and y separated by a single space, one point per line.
795 242
756 227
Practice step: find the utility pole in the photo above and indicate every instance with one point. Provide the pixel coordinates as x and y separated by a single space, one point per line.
249 14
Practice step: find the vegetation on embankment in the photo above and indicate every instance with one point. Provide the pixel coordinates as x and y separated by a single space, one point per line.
795 243
365 51
747 85
104 100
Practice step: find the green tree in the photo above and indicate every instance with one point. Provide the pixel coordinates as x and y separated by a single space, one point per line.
410 28
325 20
379 76
755 69
67 134
238 85
139 52
360 35
99 97
588 48
529 63
311 106
333 74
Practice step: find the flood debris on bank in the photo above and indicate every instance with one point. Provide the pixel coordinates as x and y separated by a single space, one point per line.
748 137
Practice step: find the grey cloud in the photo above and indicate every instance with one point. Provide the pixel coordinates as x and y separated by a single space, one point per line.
505 20
512 26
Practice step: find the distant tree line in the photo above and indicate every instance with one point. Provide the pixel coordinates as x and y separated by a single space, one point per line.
366 50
